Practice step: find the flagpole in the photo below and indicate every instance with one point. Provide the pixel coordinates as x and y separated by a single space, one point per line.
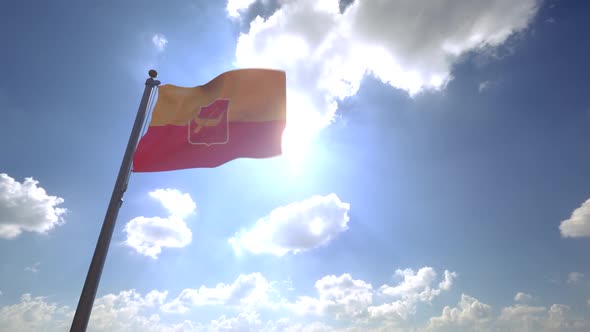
86 301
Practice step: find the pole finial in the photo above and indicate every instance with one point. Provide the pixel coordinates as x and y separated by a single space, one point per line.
153 73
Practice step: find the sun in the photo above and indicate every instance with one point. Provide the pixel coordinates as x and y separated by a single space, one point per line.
303 124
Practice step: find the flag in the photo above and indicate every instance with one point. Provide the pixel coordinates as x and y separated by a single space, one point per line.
239 114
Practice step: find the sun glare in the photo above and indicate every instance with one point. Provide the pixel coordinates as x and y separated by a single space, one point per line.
303 125
316 226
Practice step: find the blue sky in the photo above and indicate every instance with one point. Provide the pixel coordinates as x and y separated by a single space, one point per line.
435 175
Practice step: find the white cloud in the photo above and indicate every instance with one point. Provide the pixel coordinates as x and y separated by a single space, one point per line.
155 298
412 283
578 224
148 235
33 268
521 313
410 45
473 315
353 300
179 205
468 313
560 317
247 290
447 281
33 314
159 41
296 227
414 287
527 318
234 7
287 325
125 311
251 321
342 297
248 305
339 297
25 207
128 311
418 284
243 322
523 297
575 277
484 85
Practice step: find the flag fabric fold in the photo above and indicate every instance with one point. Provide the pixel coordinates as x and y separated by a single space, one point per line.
239 114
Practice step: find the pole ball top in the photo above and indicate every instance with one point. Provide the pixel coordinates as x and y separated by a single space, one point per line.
153 73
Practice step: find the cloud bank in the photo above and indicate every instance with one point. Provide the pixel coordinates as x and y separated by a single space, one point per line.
410 45
253 303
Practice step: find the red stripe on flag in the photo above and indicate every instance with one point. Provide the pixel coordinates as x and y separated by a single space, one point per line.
166 148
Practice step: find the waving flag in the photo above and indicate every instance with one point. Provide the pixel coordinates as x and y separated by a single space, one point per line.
240 113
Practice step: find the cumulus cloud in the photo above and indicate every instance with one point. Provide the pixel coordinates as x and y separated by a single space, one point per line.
159 41
148 235
469 312
342 297
410 45
578 225
130 311
251 321
412 283
125 311
338 297
155 298
528 318
523 297
296 227
472 315
247 290
179 205
415 287
234 7
524 317
519 313
33 314
246 321
245 303
25 207
354 300
419 284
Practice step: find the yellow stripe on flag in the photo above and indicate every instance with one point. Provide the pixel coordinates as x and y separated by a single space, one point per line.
255 95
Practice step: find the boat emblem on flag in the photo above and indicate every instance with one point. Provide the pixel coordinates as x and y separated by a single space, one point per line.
211 124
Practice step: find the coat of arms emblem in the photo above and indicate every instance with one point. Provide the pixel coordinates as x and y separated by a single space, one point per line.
211 124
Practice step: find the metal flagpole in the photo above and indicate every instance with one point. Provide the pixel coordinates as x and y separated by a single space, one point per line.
86 301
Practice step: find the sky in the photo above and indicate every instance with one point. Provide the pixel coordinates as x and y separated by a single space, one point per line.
434 174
